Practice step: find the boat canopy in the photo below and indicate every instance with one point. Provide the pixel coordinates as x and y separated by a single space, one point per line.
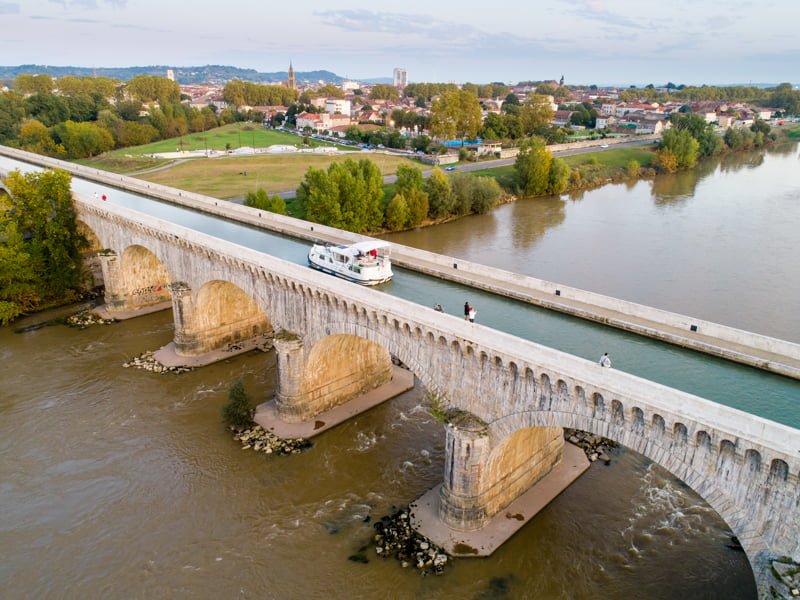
363 247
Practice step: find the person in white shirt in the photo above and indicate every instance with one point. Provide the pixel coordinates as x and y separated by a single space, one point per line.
605 360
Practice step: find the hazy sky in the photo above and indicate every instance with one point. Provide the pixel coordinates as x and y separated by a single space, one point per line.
588 41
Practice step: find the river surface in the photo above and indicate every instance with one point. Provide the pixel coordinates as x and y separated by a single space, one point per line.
121 483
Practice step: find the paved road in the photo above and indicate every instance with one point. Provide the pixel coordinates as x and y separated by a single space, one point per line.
490 164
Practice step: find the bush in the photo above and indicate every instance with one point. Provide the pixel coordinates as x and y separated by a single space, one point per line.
237 412
632 168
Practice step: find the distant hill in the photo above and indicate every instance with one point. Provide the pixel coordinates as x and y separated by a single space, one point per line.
186 75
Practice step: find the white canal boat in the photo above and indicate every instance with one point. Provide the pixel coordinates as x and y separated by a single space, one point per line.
366 263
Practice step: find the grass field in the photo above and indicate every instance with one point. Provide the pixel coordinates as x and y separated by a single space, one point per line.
235 135
224 177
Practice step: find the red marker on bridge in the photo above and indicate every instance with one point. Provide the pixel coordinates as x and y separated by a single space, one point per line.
104 197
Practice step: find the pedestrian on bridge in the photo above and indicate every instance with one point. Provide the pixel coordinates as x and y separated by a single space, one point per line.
605 361
467 308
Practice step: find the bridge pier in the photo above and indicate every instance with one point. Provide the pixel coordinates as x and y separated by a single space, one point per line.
135 284
114 291
492 487
218 322
336 379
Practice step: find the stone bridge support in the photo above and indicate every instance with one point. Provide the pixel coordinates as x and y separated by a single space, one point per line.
134 281
219 314
483 475
336 369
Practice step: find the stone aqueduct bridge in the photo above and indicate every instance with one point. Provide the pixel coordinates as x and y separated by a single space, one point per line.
507 398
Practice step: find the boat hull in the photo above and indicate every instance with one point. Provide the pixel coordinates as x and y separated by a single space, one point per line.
346 277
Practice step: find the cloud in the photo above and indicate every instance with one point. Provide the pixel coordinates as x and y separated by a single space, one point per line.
89 4
9 8
597 11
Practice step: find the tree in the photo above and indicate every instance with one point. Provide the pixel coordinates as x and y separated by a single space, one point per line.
41 208
707 138
396 213
83 140
536 112
532 168
237 412
384 92
559 176
12 112
259 199
47 108
17 282
484 194
666 160
682 146
408 178
441 199
417 203
33 84
319 198
456 115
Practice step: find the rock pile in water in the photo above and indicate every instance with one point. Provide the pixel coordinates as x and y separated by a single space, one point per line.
269 443
594 446
394 536
146 361
85 318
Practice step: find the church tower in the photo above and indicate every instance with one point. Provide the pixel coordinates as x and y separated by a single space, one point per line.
291 82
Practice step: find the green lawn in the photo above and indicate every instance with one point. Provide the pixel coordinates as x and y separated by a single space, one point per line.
617 158
235 135
225 177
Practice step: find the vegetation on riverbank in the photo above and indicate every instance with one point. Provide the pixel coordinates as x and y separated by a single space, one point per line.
40 258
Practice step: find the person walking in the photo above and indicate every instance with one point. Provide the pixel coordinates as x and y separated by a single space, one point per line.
467 308
471 314
605 360
438 308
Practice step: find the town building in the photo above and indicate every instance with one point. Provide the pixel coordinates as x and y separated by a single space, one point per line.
400 77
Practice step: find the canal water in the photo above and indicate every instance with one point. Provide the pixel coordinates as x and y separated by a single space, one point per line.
122 483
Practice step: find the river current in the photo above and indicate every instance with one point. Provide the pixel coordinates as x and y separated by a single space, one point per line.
120 483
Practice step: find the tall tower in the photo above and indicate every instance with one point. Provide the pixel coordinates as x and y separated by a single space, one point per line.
400 77
290 83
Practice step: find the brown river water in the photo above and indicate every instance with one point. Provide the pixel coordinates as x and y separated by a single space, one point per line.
119 483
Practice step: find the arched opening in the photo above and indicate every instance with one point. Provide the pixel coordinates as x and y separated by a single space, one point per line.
516 463
145 278
225 314
340 367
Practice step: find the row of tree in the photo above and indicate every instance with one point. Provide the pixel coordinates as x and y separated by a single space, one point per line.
692 138
240 93
40 257
350 195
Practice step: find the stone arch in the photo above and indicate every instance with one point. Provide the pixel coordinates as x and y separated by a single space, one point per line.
778 470
598 407
637 420
224 314
617 413
517 461
692 473
680 433
341 366
405 349
92 239
145 278
726 459
752 460
659 426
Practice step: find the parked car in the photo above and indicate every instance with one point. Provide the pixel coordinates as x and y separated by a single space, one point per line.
450 168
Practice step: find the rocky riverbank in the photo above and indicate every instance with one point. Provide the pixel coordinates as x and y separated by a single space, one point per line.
394 536
147 362
594 446
268 443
